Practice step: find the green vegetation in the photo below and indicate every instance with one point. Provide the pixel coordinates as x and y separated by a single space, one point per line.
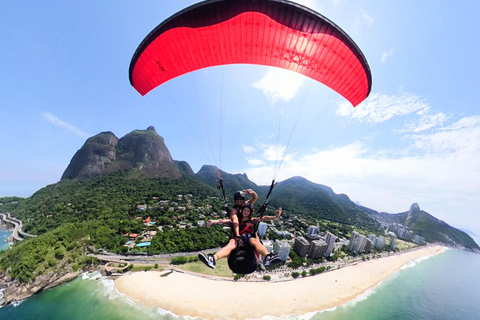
318 270
318 202
60 247
112 199
72 218
238 277
9 204
221 268
401 245
297 261
183 260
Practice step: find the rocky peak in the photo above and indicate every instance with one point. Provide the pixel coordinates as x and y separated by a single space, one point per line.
412 213
104 153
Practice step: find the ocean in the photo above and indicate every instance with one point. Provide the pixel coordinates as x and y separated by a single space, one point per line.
446 286
3 239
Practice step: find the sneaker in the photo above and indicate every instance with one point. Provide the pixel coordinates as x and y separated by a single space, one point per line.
272 259
208 259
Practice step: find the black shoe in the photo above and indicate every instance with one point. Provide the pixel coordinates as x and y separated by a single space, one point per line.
208 259
272 259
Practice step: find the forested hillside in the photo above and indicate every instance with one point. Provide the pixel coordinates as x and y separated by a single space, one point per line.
433 229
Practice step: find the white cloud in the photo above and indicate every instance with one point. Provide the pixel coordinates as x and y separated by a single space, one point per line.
273 152
427 121
440 171
62 124
280 84
255 162
247 149
380 108
462 137
386 55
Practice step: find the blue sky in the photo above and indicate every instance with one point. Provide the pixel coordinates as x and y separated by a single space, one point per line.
64 78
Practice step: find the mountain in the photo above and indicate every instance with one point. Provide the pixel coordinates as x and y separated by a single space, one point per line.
185 168
303 197
231 182
320 202
104 153
142 154
297 195
433 229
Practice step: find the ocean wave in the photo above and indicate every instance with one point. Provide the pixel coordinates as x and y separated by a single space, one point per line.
413 263
168 315
394 275
17 303
106 287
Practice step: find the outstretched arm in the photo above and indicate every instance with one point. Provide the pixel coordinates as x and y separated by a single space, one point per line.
219 221
254 196
270 218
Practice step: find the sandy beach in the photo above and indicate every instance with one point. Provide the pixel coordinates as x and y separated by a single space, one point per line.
191 295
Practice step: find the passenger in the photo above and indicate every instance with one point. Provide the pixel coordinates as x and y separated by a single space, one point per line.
246 235
239 198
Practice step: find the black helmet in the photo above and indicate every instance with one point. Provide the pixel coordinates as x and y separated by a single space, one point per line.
249 206
239 195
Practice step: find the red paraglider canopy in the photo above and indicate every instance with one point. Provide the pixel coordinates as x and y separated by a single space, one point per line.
265 32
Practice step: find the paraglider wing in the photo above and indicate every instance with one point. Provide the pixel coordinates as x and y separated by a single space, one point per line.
265 32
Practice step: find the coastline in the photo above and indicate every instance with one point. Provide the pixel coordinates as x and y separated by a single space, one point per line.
202 296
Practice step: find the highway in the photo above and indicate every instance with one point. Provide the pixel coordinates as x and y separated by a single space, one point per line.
18 234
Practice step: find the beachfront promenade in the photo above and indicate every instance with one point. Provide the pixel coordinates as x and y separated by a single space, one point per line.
18 234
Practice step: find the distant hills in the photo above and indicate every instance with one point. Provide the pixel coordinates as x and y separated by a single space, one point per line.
143 155
433 229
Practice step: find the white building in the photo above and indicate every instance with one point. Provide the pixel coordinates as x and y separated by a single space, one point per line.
360 243
301 246
262 229
353 239
312 230
380 243
373 238
318 248
282 248
330 240
393 240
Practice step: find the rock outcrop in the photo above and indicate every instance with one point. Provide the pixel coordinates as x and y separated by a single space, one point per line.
104 153
14 290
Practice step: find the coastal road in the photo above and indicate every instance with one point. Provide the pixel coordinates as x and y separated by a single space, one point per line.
18 234
159 258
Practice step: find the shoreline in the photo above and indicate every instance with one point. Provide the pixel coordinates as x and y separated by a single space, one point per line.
210 298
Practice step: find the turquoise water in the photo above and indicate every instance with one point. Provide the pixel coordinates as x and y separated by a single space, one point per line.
3 239
446 286
442 287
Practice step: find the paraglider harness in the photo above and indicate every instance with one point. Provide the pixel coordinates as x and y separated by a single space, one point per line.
243 259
